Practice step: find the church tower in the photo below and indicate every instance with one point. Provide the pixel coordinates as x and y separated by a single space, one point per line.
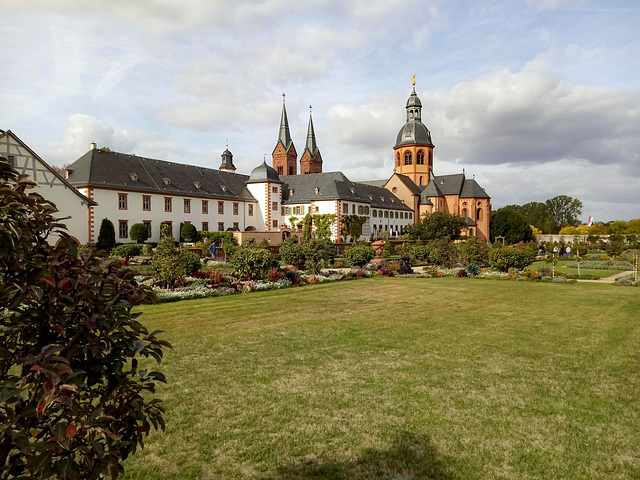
285 157
227 161
413 148
311 161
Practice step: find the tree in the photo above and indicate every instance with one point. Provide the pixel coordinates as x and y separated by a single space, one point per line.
317 254
504 258
252 261
446 253
615 245
564 211
511 225
189 232
351 225
106 236
437 225
360 255
139 232
74 404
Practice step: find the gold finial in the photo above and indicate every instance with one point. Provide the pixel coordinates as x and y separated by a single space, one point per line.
414 79
283 95
309 108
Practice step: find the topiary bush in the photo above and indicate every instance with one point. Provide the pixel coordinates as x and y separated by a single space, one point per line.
360 255
190 261
252 262
189 233
74 404
139 233
107 235
292 253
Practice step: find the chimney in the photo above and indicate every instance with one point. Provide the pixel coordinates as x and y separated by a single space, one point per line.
93 145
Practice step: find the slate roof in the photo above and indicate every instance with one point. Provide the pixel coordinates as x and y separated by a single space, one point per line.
336 186
99 168
264 173
410 184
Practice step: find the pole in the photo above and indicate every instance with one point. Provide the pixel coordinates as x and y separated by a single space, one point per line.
578 263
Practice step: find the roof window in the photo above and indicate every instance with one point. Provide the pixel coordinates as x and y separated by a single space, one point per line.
134 176
197 185
167 181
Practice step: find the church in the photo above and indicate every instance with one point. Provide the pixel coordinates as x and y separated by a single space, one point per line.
129 189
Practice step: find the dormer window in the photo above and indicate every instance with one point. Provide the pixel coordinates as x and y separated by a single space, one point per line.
167 181
352 190
317 190
66 174
291 191
134 176
197 185
223 187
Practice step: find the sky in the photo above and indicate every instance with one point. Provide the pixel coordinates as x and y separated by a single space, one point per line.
535 98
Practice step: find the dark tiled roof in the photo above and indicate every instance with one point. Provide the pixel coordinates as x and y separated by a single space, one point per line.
264 173
375 183
129 172
469 222
471 189
409 183
336 186
450 184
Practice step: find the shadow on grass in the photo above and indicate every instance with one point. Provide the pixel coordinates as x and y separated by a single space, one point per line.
410 457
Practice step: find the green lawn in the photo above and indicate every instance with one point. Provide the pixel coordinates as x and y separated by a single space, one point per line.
401 377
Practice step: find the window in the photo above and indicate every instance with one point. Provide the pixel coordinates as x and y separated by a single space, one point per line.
353 209
386 214
317 209
274 206
11 159
122 201
274 189
275 223
366 210
380 213
282 209
309 209
410 215
479 214
407 158
375 213
146 203
187 206
345 209
396 214
148 224
398 159
298 210
471 232
251 209
235 208
236 226
167 204
124 229
359 209
220 208
465 213
205 226
205 206
221 226
420 159
280 170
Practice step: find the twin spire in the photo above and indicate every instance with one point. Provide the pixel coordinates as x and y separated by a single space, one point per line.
311 161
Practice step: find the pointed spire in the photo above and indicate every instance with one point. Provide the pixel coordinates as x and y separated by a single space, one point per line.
284 136
311 137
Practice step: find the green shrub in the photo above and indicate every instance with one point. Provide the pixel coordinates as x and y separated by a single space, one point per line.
360 255
505 258
82 249
189 233
166 259
139 233
292 253
252 262
473 270
473 250
191 262
107 235
446 253
318 253
424 252
127 250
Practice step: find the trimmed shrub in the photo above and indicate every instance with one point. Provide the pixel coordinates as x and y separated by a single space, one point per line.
360 255
252 262
189 233
191 262
139 233
318 252
292 253
107 235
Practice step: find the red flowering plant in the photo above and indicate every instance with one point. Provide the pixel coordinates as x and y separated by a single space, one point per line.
74 403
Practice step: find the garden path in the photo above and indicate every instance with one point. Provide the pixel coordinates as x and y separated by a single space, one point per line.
611 279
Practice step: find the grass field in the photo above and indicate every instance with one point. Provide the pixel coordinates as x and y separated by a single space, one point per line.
398 377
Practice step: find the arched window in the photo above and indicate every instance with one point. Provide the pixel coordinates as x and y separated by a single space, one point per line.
420 180
471 232
420 160
407 158
479 214
465 213
280 170
398 159
430 159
